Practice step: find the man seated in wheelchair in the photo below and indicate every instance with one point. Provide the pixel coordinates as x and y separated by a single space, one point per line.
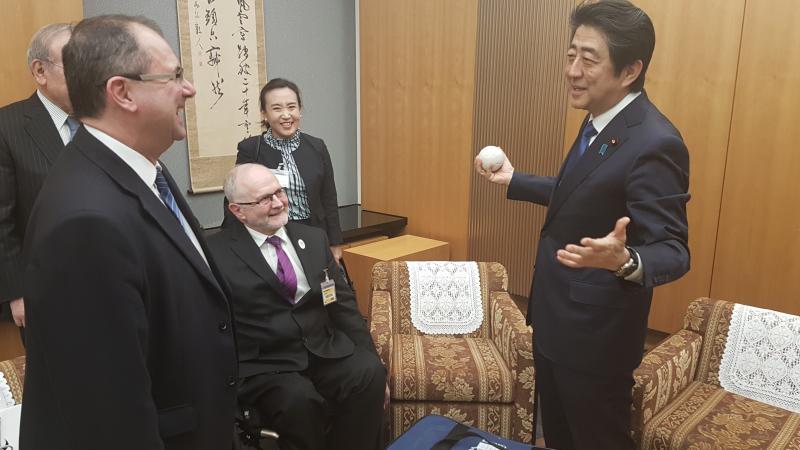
307 363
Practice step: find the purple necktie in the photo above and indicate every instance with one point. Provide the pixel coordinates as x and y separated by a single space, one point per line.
285 274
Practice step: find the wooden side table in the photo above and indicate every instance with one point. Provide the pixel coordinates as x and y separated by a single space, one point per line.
360 259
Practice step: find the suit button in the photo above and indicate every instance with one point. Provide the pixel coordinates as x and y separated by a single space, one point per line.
231 381
223 327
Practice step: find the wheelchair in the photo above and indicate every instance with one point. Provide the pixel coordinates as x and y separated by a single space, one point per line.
250 435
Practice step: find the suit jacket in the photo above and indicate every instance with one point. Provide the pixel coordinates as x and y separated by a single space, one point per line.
314 163
29 145
272 334
129 337
638 166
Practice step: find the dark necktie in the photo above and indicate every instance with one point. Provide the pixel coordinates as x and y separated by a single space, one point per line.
72 124
285 274
166 195
586 135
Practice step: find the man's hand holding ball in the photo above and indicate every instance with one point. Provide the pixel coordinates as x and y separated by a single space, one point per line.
493 164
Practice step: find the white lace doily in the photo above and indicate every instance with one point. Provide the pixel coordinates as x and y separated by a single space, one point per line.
6 397
762 357
445 296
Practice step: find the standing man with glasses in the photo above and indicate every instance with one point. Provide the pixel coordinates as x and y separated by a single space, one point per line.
615 228
130 334
33 133
307 362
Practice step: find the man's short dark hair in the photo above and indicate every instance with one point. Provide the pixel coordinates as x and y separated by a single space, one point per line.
100 48
628 31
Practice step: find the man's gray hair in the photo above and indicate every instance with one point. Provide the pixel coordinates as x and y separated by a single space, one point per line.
39 47
230 183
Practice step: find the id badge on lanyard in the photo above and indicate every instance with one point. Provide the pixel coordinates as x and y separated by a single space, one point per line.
328 288
283 177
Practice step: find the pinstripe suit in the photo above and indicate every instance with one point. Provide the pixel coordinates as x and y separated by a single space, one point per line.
29 145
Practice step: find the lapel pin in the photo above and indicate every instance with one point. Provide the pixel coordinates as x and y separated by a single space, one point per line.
301 243
613 141
603 149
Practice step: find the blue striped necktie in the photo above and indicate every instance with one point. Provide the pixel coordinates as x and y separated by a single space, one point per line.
166 195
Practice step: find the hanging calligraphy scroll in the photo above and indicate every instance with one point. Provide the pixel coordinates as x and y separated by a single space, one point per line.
222 52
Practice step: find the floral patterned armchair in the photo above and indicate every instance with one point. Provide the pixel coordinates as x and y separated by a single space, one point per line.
484 378
11 382
678 402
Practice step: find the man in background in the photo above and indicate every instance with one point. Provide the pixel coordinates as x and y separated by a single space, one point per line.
129 333
306 359
33 133
615 228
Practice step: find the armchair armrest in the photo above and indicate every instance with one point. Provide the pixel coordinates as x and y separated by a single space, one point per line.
514 340
14 373
380 326
663 374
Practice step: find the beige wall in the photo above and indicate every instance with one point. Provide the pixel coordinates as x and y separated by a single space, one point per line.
417 87
22 19
519 105
692 81
758 243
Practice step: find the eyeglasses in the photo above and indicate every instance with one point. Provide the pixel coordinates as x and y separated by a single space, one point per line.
177 75
265 200
53 64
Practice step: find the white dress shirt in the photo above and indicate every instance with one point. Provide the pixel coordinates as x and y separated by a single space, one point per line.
146 171
58 115
271 256
602 120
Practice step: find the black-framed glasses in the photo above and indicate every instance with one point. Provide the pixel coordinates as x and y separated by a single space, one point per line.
265 200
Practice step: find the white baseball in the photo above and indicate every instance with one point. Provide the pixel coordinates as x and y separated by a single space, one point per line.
492 158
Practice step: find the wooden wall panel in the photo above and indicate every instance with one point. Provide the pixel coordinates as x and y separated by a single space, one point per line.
21 19
692 79
519 106
692 82
758 250
417 88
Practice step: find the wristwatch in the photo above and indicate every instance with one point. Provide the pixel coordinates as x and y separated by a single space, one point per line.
630 266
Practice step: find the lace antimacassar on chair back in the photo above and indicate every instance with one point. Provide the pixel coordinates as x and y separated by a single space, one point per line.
493 277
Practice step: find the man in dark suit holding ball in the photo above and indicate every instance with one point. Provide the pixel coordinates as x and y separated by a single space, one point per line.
615 228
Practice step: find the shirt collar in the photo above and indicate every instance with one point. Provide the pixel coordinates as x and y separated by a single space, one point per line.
135 160
58 115
605 118
259 238
292 141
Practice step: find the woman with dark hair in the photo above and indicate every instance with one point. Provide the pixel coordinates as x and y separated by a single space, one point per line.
300 161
